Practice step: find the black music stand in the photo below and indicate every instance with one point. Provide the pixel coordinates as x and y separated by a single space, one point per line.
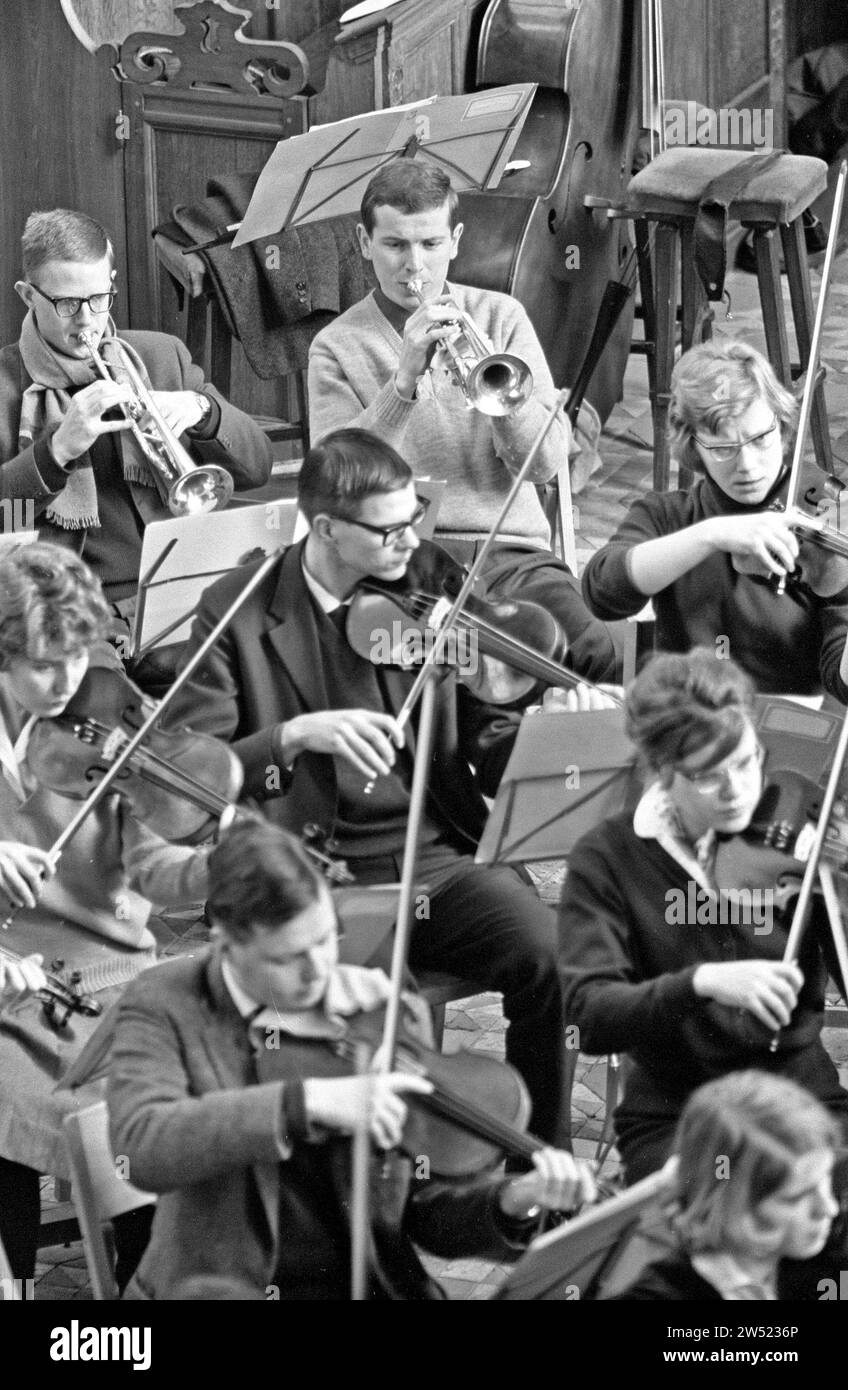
565 775
605 1247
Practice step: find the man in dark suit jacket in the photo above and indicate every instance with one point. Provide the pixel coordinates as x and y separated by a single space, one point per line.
227 1096
313 722
68 464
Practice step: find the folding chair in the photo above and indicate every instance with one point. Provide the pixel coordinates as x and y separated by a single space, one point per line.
555 496
600 1251
99 1193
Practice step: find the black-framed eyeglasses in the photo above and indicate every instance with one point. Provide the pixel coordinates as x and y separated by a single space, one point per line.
728 453
710 782
66 306
390 534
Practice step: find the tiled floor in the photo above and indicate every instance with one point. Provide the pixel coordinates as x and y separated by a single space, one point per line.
627 471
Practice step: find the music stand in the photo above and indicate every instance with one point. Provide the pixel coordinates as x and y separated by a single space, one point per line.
324 173
182 556
571 1261
564 776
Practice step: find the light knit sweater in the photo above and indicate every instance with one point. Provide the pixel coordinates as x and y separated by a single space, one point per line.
352 365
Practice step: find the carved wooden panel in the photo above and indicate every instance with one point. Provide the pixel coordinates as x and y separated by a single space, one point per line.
414 50
426 53
97 22
213 53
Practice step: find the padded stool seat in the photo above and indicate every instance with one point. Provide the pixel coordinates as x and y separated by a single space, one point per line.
672 184
664 199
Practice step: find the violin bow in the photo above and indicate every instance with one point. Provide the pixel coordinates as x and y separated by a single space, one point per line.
815 348
814 865
128 748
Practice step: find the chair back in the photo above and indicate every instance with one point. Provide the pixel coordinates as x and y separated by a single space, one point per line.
99 1193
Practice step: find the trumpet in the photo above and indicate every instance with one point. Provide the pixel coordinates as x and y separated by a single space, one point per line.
496 383
192 487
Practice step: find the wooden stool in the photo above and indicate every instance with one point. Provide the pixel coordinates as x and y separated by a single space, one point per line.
663 201
203 320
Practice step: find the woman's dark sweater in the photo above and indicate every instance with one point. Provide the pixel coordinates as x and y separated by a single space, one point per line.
788 643
627 969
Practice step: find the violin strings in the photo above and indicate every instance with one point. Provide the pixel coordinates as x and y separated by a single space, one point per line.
507 646
163 766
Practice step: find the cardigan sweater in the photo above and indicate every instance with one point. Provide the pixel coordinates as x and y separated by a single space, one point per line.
352 365
789 644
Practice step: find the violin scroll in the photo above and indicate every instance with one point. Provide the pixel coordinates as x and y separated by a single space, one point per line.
61 995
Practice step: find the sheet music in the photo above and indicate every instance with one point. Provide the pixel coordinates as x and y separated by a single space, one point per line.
202 549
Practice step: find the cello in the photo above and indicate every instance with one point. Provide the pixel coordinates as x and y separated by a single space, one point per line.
535 238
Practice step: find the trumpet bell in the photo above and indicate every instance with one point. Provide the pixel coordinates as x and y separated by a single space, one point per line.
205 489
499 384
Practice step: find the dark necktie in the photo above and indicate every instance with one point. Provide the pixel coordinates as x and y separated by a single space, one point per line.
338 618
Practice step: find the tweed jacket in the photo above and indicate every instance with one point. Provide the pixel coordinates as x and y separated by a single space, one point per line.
197 1126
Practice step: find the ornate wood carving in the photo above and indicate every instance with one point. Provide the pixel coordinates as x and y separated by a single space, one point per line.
99 22
213 54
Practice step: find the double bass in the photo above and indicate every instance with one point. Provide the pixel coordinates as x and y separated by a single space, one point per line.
534 237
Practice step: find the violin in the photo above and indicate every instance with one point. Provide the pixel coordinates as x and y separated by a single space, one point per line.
771 853
816 518
162 779
61 995
521 643
167 778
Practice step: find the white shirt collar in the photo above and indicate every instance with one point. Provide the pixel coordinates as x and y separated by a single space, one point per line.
351 989
656 819
327 601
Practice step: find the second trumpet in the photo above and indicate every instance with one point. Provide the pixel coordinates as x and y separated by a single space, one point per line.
496 383
192 487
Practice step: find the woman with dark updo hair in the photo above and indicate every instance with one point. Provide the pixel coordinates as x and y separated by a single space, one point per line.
658 961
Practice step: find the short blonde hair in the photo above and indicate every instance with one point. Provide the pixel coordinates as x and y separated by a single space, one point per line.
49 599
760 1125
716 382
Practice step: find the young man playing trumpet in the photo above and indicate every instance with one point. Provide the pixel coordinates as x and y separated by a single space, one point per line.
381 366
66 448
